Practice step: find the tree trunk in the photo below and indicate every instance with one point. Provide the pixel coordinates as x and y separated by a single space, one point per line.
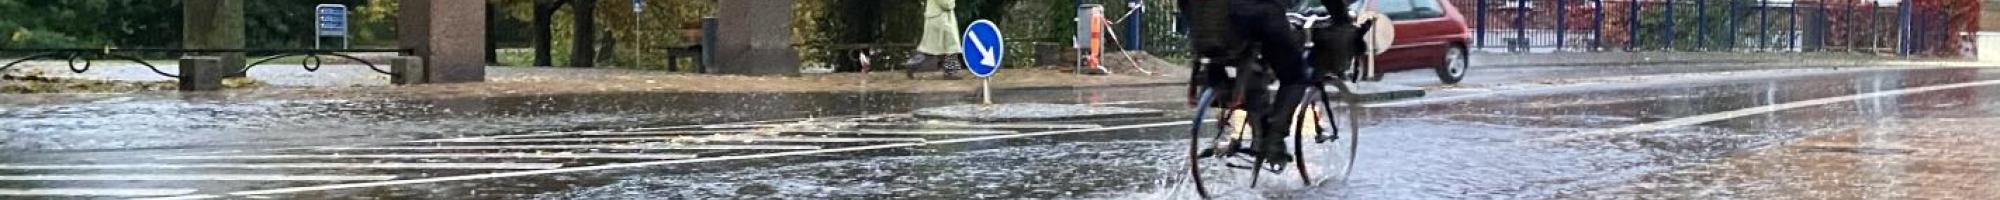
215 24
492 56
582 51
543 27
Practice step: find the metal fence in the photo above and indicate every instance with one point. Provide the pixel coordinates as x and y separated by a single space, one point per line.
1886 27
1865 26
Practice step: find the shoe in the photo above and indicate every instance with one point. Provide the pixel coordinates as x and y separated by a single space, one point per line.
951 74
1275 156
915 59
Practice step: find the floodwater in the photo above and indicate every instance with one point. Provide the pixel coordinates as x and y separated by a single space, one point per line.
1767 137
1497 148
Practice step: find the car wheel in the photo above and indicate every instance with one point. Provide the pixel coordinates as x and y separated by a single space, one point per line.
1456 62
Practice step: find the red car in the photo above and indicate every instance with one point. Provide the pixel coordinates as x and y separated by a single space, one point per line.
1430 34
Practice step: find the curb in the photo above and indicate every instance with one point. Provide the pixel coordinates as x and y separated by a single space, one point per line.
983 113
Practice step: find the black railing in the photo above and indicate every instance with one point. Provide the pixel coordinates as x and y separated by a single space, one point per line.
79 59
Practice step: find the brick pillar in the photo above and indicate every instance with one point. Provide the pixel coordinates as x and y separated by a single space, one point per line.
755 38
450 36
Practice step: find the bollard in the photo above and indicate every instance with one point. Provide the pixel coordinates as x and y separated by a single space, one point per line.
1597 29
1821 25
1561 27
1791 31
708 35
1874 25
1731 43
201 73
1479 36
1134 28
1903 29
1669 36
1521 22
1763 24
1700 25
1632 27
406 70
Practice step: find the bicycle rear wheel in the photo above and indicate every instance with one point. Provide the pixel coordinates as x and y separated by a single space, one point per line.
1207 95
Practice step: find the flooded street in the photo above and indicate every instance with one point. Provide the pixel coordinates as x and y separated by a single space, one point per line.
1700 132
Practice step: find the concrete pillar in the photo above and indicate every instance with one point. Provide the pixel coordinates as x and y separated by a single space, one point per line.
406 70
214 24
450 36
201 73
755 38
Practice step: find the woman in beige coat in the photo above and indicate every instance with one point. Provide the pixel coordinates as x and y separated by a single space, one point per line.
940 36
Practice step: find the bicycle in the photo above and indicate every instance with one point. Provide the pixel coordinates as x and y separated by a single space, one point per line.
1239 76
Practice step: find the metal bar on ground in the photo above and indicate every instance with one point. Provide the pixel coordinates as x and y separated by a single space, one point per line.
618 147
751 139
294 166
106 192
642 156
195 177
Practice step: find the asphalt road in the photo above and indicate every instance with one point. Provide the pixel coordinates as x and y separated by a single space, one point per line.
1729 131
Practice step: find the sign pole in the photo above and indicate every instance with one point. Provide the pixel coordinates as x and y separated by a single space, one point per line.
983 49
986 90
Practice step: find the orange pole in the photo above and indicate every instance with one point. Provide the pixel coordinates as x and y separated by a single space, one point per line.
1096 40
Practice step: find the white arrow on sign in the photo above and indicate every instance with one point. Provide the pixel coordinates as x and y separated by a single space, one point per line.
985 53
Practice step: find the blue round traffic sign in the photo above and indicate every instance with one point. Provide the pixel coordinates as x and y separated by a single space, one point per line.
983 48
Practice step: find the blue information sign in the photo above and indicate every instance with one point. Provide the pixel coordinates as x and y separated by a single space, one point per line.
983 48
331 19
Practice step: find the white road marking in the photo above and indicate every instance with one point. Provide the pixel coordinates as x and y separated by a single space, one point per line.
294 166
647 156
196 177
1124 103
1712 117
750 128
925 132
667 127
710 139
741 126
853 132
109 192
664 162
620 147
994 126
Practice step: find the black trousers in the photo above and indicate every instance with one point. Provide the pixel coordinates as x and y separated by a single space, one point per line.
1263 22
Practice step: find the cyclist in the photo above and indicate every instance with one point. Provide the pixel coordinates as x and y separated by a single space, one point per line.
1265 23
